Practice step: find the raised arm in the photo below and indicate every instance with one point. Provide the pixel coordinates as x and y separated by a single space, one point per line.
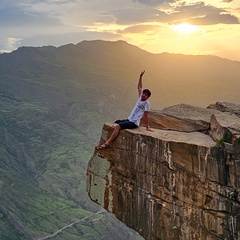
140 83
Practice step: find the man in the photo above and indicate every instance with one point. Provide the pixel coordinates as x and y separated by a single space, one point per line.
140 110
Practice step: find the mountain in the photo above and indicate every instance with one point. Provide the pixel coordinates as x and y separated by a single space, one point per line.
53 104
172 78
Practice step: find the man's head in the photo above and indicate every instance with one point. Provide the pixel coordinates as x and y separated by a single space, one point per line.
145 94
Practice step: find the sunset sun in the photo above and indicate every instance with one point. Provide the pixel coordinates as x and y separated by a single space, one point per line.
184 28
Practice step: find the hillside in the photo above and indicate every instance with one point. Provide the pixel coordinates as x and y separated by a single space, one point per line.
114 67
53 104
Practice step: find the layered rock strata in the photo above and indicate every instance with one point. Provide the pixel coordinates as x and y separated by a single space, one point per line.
181 181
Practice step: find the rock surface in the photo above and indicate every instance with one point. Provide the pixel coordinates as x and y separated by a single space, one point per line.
180 184
225 126
182 117
226 107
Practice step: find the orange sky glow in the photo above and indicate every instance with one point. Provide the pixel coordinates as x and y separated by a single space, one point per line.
174 26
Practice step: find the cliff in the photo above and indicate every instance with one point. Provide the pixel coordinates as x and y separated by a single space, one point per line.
181 181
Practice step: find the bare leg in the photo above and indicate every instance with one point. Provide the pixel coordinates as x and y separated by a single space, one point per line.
114 134
111 138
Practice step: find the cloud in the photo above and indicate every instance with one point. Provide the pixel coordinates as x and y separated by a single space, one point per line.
198 13
202 14
14 15
9 43
81 12
58 22
12 42
140 29
212 19
139 15
154 2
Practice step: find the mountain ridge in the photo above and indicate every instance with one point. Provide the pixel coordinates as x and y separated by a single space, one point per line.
214 75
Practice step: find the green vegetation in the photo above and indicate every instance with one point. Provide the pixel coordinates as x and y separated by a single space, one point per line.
49 124
42 176
220 142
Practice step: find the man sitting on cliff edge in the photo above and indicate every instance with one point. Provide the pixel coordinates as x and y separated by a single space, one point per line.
140 110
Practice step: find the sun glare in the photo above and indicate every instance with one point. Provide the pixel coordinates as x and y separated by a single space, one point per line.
184 28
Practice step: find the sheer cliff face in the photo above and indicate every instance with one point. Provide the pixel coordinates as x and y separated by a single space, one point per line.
170 184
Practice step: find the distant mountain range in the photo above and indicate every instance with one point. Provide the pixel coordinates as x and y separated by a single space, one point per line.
114 66
53 103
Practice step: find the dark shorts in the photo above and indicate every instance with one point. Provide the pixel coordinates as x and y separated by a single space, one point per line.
126 124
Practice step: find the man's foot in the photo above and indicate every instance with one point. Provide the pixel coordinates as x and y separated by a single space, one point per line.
103 146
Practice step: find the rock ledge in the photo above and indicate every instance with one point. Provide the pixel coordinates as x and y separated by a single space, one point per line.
181 181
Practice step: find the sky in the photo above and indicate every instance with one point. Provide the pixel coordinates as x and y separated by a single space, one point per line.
210 27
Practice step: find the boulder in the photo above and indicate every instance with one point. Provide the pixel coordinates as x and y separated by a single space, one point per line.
226 107
225 127
182 117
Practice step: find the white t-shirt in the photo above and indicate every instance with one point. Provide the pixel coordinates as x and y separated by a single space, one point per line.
138 111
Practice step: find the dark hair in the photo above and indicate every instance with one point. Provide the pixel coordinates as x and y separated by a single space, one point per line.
147 92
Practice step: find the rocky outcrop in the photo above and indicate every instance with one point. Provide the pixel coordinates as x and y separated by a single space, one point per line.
182 117
181 181
226 107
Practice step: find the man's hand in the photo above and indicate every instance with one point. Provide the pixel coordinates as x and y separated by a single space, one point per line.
141 74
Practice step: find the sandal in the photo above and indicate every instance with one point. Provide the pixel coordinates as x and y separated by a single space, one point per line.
103 146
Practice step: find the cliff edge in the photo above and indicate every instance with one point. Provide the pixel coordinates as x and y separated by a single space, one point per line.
181 181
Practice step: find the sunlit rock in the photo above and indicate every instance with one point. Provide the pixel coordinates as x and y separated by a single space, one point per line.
226 107
167 184
182 117
225 126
